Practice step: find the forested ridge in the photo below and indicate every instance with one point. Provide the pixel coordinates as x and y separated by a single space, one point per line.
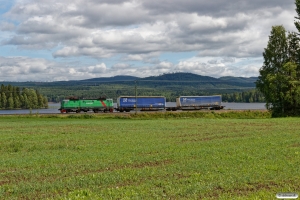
12 97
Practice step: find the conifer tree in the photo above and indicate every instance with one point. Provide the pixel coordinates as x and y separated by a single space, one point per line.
10 102
3 100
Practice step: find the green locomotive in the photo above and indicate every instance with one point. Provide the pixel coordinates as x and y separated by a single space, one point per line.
85 105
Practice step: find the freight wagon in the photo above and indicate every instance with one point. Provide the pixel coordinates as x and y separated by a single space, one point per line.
198 103
142 103
85 105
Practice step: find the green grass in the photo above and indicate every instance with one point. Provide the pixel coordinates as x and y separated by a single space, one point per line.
165 158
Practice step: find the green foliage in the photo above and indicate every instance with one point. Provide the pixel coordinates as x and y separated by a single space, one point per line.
279 76
11 97
246 96
10 102
3 100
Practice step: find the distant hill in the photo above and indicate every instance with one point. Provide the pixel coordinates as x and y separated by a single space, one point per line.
181 76
190 77
172 77
111 79
172 82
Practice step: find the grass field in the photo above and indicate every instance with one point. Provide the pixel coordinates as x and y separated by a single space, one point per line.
166 158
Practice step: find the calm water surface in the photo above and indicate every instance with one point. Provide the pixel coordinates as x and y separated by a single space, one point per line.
53 108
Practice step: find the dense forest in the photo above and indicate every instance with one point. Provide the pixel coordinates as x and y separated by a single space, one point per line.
250 96
12 97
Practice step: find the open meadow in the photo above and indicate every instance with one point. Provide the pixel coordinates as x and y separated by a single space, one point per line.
148 158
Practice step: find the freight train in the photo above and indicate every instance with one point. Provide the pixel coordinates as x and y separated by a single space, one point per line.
141 103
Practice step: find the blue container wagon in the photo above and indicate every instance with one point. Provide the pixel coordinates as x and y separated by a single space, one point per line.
141 103
198 102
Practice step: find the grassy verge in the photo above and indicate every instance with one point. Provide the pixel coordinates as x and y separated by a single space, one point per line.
246 114
186 158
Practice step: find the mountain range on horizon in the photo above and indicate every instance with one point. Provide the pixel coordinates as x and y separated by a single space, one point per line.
178 76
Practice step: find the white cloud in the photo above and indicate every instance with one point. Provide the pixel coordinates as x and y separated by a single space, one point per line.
20 68
6 26
97 69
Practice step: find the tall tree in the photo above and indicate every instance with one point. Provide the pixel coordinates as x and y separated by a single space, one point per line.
45 102
10 102
17 102
3 100
25 101
275 56
278 75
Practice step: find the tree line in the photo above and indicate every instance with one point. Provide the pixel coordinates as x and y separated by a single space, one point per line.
252 96
12 97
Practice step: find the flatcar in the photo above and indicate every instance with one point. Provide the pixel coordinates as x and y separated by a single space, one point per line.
85 105
141 103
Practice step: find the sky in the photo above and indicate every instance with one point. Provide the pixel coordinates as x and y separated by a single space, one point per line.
47 40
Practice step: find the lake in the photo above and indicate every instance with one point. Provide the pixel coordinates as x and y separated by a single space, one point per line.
53 108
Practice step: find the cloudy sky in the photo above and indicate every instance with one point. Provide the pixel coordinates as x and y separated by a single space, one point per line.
47 40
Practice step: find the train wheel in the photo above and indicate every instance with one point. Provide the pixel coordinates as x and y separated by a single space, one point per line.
111 110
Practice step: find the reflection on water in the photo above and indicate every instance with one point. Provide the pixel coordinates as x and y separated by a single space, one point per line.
53 108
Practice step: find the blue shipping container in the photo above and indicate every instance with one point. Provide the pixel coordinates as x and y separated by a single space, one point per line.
186 101
142 102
